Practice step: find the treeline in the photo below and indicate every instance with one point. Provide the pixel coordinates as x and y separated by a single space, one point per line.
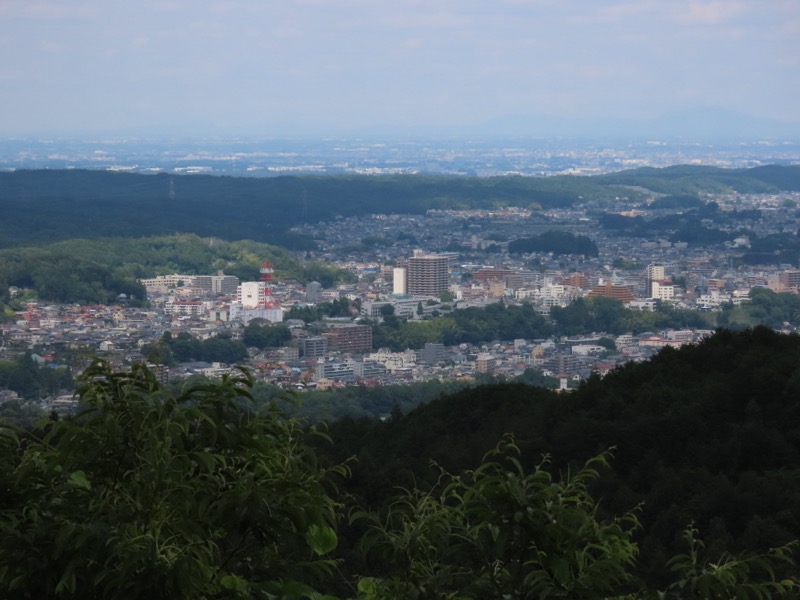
49 205
688 226
54 277
776 310
500 322
599 314
470 325
41 206
361 402
685 226
773 249
694 179
557 242
183 347
333 309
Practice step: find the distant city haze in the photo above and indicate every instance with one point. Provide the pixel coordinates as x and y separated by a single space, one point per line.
384 155
407 67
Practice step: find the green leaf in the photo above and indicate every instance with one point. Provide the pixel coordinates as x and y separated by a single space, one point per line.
321 539
78 479
369 587
66 584
234 584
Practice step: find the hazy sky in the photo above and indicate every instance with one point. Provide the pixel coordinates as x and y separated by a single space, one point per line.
261 66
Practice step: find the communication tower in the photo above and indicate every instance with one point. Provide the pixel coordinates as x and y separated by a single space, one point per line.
266 271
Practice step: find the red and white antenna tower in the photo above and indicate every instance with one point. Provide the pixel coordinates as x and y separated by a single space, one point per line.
266 277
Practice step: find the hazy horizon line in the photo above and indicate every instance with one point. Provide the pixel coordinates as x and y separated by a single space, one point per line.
700 123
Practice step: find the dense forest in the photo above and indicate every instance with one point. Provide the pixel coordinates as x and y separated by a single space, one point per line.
706 434
673 478
44 206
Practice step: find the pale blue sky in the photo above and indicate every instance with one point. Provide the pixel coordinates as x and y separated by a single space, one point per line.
273 66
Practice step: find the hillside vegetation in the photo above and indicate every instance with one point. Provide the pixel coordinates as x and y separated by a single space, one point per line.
98 270
693 179
675 478
707 434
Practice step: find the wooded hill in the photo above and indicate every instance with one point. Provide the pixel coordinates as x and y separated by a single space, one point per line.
48 205
691 179
97 270
707 434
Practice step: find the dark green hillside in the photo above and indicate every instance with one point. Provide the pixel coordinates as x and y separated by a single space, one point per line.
709 433
782 177
48 205
454 431
691 179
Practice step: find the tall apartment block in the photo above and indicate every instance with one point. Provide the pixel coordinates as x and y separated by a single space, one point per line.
427 274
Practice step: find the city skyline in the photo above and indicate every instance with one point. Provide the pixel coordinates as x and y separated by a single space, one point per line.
309 67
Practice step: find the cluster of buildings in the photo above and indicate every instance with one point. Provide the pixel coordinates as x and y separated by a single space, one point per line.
467 264
184 293
340 351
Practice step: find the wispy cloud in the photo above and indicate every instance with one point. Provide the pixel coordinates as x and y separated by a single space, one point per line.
40 9
710 13
689 12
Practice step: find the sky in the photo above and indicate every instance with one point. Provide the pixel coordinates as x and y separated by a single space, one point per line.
265 67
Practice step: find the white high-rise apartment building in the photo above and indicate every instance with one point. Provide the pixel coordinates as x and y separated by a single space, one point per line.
250 293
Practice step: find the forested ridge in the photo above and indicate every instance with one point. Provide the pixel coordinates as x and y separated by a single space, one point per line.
673 478
690 179
47 205
709 434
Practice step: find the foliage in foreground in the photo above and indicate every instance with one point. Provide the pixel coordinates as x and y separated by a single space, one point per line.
500 532
149 494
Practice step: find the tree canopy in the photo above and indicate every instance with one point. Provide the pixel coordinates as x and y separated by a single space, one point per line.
148 495
557 242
